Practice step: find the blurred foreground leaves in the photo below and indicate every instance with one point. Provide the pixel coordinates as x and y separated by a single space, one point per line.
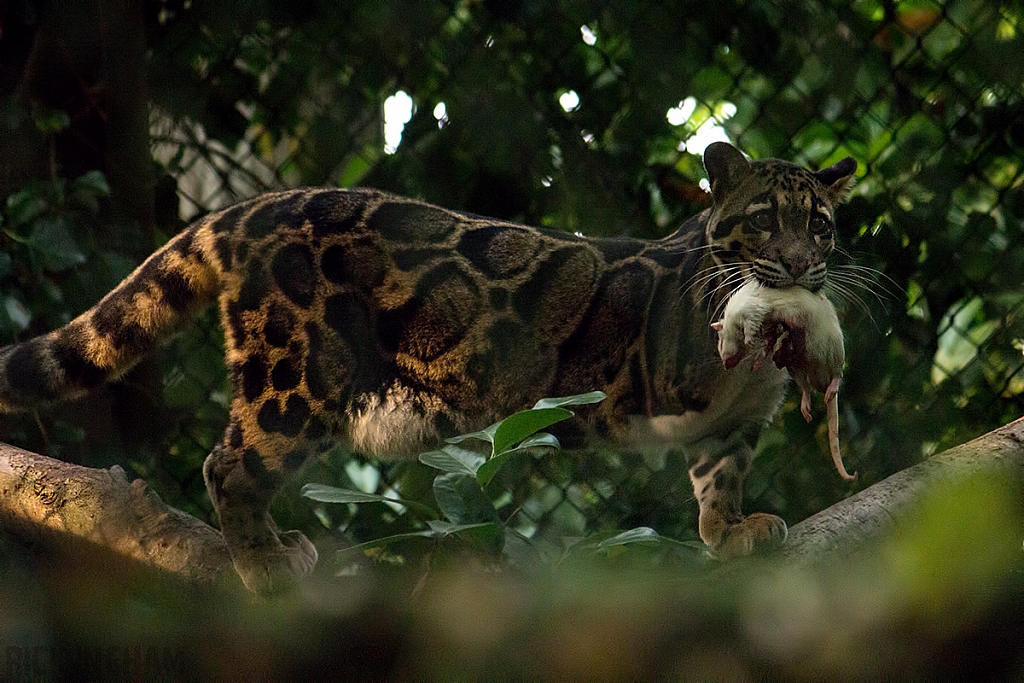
940 598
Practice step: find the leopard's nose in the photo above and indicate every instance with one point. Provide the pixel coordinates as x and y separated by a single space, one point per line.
794 264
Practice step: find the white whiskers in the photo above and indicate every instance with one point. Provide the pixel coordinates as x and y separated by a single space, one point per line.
844 279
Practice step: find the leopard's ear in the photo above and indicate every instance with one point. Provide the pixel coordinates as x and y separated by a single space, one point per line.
838 179
726 167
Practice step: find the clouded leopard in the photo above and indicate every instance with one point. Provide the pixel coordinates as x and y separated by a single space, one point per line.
388 324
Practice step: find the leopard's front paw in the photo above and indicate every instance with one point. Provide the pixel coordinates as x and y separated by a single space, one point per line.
277 565
757 533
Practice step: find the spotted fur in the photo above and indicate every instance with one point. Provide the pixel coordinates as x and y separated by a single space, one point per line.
388 324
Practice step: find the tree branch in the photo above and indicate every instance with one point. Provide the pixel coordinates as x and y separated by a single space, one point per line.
66 506
847 526
42 499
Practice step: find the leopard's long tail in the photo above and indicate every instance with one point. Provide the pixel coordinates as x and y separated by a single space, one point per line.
108 339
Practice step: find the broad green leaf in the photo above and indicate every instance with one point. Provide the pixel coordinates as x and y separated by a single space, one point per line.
88 188
690 545
92 181
520 426
486 472
640 534
53 245
577 400
489 538
483 534
24 207
51 120
517 427
543 439
440 526
334 494
483 435
453 459
461 499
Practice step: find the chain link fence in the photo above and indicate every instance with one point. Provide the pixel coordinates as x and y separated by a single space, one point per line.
592 119
926 96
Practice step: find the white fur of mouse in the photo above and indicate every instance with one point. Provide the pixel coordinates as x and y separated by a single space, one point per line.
751 322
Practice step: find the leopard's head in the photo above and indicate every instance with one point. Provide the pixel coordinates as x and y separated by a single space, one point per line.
773 219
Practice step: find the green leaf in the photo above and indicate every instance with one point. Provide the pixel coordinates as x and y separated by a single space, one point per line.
517 427
93 182
443 528
333 494
540 440
483 435
53 245
482 534
640 534
462 501
24 207
577 400
51 120
88 188
453 459
486 472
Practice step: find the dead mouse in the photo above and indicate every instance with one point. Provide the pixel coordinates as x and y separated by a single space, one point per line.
799 329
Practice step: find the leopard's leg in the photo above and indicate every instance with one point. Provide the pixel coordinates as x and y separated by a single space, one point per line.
718 468
242 482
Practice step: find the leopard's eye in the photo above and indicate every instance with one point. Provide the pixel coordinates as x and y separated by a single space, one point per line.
820 225
762 218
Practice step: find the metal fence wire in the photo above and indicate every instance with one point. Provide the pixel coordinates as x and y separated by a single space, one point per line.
593 120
